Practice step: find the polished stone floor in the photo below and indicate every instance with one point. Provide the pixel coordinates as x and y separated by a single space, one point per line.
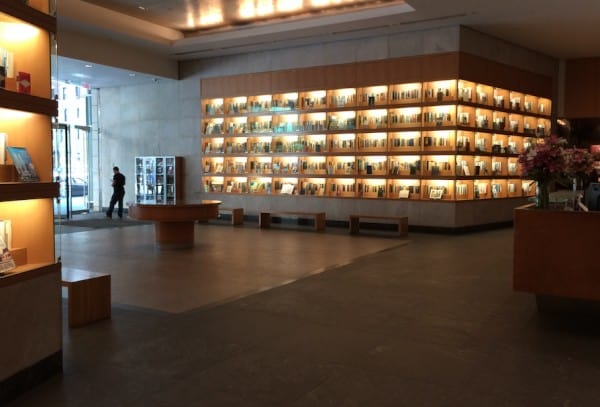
295 318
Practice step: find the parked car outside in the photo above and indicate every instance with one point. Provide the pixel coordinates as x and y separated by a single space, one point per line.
78 187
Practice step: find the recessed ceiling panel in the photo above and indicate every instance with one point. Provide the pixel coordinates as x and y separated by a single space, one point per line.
191 16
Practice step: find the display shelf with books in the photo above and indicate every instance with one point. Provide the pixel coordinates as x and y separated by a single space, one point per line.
455 137
25 124
29 291
371 188
340 98
236 185
406 93
310 186
372 142
284 102
285 185
409 188
158 179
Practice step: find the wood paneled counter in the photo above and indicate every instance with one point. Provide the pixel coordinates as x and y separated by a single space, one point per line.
556 253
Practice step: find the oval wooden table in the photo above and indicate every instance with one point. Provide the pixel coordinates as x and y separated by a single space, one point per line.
174 224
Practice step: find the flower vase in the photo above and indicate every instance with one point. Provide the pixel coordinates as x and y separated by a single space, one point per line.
542 195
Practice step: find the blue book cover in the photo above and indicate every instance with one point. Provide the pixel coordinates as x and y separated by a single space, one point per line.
22 161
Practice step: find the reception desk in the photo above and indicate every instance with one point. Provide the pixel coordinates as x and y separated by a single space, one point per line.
556 254
174 224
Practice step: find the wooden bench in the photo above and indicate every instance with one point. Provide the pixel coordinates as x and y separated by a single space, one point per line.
88 295
401 221
264 220
237 215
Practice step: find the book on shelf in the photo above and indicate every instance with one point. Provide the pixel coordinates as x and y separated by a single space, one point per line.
24 82
22 161
7 61
287 189
3 138
7 263
6 232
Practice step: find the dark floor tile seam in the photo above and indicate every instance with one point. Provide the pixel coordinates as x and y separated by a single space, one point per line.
287 283
145 310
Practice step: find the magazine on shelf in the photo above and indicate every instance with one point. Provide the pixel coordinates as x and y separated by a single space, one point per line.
23 164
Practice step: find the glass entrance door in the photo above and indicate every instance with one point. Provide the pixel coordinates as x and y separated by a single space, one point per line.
71 168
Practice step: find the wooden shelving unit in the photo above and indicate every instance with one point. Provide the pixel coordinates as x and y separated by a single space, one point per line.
30 295
448 140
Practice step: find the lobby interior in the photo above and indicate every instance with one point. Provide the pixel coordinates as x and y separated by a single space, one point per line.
288 316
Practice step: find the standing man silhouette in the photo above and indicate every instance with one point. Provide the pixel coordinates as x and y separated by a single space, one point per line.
118 184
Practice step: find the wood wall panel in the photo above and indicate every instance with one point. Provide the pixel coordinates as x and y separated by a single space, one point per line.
212 87
311 78
440 66
582 88
504 76
405 70
339 76
235 86
284 81
372 73
258 83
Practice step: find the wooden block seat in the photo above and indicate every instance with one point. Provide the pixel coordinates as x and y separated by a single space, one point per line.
89 295
237 215
318 217
401 221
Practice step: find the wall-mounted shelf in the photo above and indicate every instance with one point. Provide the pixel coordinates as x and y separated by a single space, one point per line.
30 293
450 140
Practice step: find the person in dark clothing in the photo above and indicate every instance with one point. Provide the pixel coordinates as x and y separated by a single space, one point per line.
118 184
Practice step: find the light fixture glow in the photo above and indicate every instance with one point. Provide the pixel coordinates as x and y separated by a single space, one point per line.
232 11
264 8
212 16
246 9
288 6
17 32
9 114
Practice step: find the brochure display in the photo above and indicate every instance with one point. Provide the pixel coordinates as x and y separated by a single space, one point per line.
158 179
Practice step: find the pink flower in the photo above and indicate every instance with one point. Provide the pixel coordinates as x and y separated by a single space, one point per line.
545 160
579 162
549 160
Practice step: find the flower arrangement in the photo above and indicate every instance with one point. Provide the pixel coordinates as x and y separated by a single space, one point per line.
580 163
544 161
550 160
